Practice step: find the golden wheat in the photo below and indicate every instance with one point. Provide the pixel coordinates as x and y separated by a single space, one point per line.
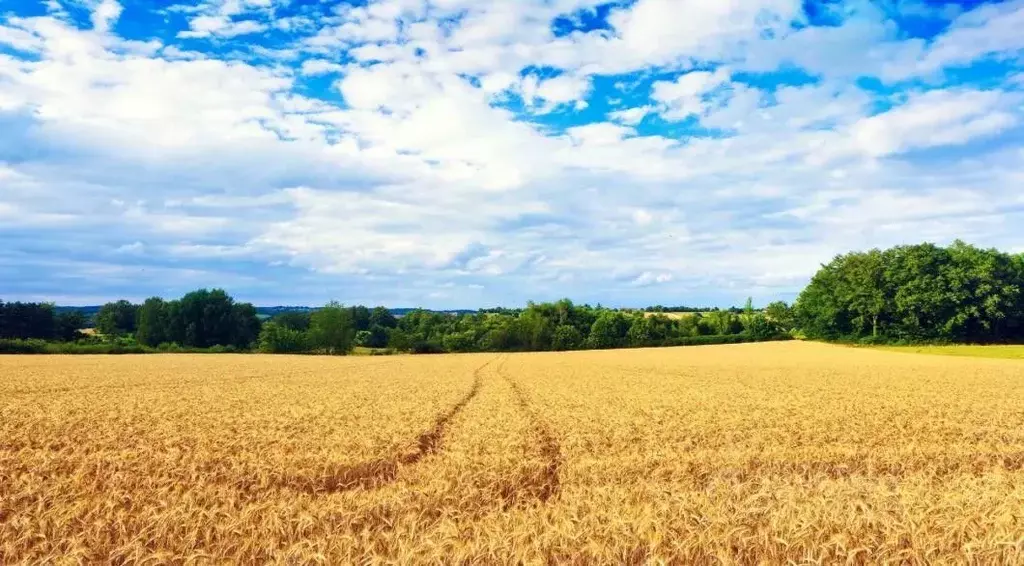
745 454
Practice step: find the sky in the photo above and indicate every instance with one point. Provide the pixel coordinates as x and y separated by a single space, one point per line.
469 153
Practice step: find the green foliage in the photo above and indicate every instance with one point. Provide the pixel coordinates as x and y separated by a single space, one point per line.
566 337
332 330
294 320
67 326
360 317
277 338
720 323
25 321
116 319
35 346
781 314
921 293
382 317
759 327
609 330
151 322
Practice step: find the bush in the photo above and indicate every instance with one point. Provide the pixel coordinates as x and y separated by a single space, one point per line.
566 337
31 346
278 339
426 347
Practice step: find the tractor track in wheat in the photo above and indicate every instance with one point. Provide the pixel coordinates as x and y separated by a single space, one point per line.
376 473
543 484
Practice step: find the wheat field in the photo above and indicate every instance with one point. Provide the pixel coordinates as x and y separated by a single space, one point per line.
747 454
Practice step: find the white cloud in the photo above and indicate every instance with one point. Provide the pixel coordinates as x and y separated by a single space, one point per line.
990 30
314 67
431 178
105 14
934 118
690 94
649 278
631 116
228 18
562 89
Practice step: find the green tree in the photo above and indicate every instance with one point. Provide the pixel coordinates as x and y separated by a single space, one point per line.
382 317
152 323
116 319
641 332
245 325
922 292
67 326
566 337
360 317
331 329
279 339
722 323
609 330
780 314
759 327
294 320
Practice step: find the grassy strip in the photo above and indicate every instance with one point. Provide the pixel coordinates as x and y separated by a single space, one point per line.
1015 352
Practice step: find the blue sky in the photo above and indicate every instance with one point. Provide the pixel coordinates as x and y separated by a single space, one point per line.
460 153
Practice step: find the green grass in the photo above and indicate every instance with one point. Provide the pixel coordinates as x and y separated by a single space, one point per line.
364 351
1015 352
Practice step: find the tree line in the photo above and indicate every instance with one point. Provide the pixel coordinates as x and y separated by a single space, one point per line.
921 293
538 327
212 319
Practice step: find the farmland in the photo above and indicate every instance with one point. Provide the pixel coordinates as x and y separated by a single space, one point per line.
734 454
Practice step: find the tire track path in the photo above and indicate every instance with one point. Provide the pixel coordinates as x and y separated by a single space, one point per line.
544 483
375 473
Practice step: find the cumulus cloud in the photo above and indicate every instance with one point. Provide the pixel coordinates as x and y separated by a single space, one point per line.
459 153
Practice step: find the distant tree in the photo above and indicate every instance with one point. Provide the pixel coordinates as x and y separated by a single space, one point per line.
376 337
464 341
331 329
116 319
398 340
278 339
67 326
688 325
152 322
360 317
566 337
206 318
641 332
27 320
722 322
921 292
536 326
245 325
759 327
294 320
609 330
780 313
382 317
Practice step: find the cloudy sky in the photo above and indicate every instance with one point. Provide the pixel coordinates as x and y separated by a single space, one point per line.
466 153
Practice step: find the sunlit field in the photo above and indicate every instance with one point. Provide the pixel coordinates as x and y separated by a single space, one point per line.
724 454
1001 352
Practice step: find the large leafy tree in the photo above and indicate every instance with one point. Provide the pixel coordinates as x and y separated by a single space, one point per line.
922 292
152 322
116 319
331 329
